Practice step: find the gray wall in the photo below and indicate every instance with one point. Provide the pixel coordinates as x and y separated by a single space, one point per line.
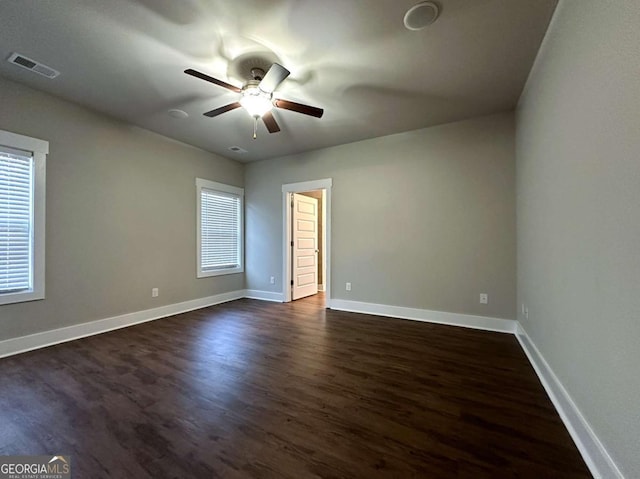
120 214
578 184
423 219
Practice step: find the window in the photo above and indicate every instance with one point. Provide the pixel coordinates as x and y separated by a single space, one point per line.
22 196
220 228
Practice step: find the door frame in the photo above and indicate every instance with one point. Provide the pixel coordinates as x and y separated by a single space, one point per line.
301 187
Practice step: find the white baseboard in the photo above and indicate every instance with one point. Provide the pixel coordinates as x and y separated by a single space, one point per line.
23 344
264 295
321 288
440 317
593 451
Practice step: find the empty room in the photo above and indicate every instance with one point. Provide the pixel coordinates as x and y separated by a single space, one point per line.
302 239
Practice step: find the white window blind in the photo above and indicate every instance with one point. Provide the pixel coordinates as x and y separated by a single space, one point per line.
220 228
16 220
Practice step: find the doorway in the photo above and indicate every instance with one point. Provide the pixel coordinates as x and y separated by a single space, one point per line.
307 239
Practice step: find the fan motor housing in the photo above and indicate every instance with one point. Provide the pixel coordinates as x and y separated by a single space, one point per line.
251 65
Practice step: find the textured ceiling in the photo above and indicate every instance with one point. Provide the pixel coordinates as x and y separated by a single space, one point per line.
353 58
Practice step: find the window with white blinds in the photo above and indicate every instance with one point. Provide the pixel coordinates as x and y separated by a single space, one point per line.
22 196
220 228
16 220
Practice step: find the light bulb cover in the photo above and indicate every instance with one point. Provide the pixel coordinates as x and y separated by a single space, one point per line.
256 101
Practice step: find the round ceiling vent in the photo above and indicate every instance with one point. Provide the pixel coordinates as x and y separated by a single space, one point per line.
421 15
178 114
237 149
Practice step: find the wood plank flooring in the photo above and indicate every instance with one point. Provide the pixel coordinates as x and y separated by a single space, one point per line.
250 389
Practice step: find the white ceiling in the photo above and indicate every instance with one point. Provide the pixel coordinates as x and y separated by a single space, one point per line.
354 58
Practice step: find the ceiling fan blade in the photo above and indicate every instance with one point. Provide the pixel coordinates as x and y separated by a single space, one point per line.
270 122
299 107
222 109
276 75
205 77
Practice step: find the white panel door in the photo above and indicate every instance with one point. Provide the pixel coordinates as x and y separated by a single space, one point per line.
305 246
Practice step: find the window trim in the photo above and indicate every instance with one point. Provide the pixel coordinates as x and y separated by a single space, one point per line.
40 150
201 184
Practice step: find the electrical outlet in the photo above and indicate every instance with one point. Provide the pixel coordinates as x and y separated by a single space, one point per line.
484 298
155 293
526 312
272 280
348 286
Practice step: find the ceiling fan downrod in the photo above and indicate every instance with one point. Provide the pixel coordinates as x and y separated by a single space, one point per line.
257 73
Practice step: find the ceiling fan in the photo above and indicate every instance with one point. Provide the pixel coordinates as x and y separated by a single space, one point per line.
256 97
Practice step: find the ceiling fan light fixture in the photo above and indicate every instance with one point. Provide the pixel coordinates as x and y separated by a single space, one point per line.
256 97
255 101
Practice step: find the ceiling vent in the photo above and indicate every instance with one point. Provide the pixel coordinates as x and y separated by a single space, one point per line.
421 15
32 65
237 149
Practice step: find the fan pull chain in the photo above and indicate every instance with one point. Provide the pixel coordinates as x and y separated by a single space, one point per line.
255 127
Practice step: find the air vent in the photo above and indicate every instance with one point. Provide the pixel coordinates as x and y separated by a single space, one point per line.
237 149
32 65
421 15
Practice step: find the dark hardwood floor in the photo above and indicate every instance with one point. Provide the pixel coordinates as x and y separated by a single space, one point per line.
250 389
